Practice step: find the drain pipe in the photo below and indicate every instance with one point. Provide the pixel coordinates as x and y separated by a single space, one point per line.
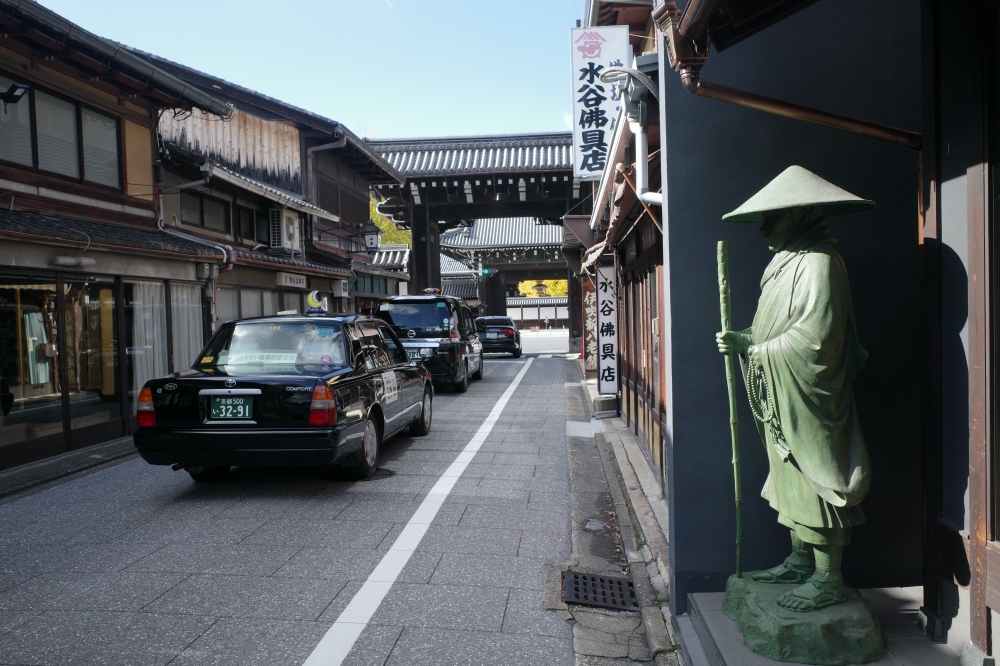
638 128
690 78
642 167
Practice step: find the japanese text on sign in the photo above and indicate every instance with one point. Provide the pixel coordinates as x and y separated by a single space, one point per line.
595 103
607 331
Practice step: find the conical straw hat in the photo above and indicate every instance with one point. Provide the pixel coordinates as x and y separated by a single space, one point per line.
796 187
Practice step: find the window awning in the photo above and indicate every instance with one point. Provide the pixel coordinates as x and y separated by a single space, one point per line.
286 199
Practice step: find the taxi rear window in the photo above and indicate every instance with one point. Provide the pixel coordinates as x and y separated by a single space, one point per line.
276 347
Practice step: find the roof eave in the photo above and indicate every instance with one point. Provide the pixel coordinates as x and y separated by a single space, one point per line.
122 57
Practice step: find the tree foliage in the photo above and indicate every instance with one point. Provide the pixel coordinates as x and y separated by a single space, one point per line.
554 288
390 234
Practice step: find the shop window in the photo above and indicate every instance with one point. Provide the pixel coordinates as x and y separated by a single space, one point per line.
202 211
72 140
186 324
378 285
364 282
250 303
146 335
90 317
227 304
29 331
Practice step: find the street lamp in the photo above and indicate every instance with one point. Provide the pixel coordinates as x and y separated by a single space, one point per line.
373 238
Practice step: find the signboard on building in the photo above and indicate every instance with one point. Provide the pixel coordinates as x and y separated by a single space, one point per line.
607 331
595 104
316 304
293 280
589 325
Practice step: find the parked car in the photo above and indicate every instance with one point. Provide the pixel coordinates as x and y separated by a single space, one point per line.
300 390
499 334
439 332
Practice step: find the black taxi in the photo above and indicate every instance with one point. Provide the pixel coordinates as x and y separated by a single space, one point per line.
440 333
307 390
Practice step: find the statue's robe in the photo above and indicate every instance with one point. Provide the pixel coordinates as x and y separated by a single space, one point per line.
804 339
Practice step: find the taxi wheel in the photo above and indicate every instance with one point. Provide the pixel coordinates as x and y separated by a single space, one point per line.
205 474
516 353
463 385
367 462
422 426
478 374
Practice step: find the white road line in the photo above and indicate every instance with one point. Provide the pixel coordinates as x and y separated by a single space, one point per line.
335 645
545 356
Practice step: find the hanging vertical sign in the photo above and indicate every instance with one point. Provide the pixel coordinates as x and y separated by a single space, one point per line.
607 331
595 103
589 326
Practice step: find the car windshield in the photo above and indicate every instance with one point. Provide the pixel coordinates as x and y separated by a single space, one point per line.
421 317
277 347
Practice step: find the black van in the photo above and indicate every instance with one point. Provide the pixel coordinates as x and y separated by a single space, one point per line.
440 333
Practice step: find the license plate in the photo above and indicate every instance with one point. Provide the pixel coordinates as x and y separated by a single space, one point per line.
235 407
491 336
413 353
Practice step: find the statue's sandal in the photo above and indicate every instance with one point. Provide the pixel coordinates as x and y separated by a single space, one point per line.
784 573
814 595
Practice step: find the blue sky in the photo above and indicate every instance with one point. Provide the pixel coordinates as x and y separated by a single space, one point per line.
388 68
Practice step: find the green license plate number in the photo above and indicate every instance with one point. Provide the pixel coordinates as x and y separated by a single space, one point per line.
231 408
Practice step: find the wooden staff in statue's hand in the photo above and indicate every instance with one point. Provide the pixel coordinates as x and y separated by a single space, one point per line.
731 343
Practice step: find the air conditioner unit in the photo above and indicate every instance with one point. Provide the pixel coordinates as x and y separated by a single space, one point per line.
284 229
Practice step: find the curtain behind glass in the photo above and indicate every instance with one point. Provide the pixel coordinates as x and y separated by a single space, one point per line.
185 316
272 303
249 303
227 304
148 351
15 128
100 148
58 144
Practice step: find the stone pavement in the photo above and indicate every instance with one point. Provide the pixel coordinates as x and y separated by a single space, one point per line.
130 563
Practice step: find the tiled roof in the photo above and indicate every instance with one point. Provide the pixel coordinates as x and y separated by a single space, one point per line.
392 257
283 261
94 234
503 232
546 151
284 197
518 302
450 266
467 289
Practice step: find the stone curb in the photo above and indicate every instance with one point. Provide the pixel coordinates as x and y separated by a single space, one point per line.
655 619
25 477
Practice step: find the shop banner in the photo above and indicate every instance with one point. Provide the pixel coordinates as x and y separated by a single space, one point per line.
595 104
607 331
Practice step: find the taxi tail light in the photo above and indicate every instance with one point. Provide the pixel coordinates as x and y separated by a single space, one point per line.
145 415
454 335
508 331
323 410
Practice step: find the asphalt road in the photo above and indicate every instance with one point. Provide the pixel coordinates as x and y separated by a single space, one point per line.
135 564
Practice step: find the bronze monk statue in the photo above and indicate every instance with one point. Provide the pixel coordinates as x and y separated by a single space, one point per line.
799 358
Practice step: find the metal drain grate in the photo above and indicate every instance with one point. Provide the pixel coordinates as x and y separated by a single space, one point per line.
604 591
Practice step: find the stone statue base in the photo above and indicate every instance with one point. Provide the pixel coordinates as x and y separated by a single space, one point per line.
847 633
